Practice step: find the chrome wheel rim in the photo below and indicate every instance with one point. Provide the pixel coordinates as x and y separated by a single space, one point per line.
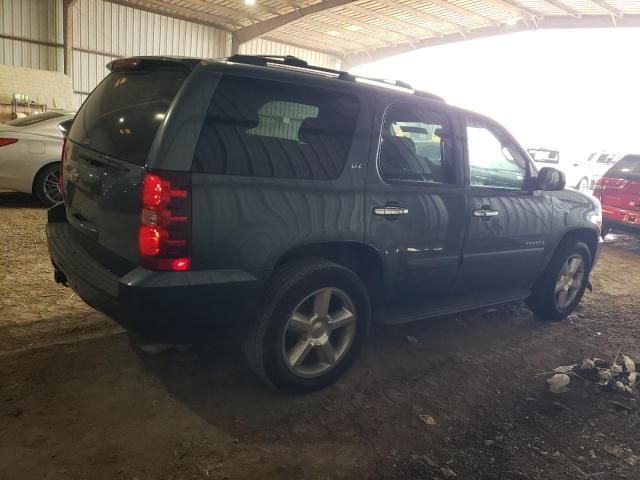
319 332
570 281
51 187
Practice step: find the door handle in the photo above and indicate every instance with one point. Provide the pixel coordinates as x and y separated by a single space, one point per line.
387 211
485 213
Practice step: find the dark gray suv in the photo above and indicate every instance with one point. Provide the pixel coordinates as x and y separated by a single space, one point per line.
296 204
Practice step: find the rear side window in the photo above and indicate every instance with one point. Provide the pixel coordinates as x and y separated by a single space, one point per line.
262 128
122 115
628 168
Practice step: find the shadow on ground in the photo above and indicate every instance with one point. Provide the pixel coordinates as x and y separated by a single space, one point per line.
18 200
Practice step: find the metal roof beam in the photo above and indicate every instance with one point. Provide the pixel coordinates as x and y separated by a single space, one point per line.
234 12
463 11
166 8
563 8
512 7
256 30
420 14
607 8
317 22
403 24
365 26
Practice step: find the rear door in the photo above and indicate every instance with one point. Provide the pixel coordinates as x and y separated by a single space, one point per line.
106 152
415 200
508 224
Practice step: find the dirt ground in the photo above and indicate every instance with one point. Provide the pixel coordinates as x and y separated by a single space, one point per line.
77 401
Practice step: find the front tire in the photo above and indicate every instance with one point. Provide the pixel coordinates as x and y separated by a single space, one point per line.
46 186
559 291
312 325
583 185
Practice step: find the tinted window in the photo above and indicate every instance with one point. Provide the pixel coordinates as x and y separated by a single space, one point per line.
270 129
33 119
122 115
492 161
628 168
412 147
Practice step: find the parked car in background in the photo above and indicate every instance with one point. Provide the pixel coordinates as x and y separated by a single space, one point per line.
30 149
619 193
296 204
598 164
576 173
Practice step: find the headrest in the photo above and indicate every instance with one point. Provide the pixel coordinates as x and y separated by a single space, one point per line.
309 127
403 145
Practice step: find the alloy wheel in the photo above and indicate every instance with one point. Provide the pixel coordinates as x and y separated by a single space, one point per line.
570 281
51 187
319 332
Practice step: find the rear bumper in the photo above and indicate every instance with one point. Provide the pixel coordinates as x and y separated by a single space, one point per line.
150 302
621 217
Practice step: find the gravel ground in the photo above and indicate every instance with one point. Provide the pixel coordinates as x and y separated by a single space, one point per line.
77 401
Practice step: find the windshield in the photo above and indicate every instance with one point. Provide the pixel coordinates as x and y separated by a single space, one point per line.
34 119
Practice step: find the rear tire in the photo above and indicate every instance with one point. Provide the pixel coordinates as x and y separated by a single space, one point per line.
46 186
560 288
293 346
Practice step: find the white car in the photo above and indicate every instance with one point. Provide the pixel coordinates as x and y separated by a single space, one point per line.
576 173
600 163
30 150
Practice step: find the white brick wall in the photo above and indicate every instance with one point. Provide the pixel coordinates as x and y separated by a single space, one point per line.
53 88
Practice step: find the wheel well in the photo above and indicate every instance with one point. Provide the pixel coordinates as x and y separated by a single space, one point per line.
361 259
586 235
33 183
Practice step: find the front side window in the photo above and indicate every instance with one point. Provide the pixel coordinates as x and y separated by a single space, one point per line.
492 161
413 146
263 128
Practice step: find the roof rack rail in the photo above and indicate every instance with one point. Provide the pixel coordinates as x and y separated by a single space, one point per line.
287 61
291 62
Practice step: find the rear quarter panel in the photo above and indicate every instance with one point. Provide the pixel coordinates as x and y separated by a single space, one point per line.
248 223
20 162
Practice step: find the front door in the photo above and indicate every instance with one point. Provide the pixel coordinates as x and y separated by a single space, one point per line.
508 224
415 201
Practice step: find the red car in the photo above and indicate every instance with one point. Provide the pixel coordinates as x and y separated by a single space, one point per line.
619 192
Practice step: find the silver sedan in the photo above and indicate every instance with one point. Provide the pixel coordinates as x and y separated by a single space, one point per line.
30 150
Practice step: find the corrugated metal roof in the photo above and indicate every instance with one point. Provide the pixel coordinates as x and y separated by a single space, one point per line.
366 29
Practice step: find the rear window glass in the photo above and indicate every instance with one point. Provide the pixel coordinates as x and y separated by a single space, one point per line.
122 115
628 168
269 129
33 119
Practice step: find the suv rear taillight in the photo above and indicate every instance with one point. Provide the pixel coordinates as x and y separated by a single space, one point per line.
164 234
597 189
7 141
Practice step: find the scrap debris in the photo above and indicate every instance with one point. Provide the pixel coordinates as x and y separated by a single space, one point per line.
621 377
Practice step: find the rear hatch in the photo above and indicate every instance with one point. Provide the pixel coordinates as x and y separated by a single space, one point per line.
621 184
106 153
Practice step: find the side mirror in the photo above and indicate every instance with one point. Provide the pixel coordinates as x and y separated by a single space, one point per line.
551 179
